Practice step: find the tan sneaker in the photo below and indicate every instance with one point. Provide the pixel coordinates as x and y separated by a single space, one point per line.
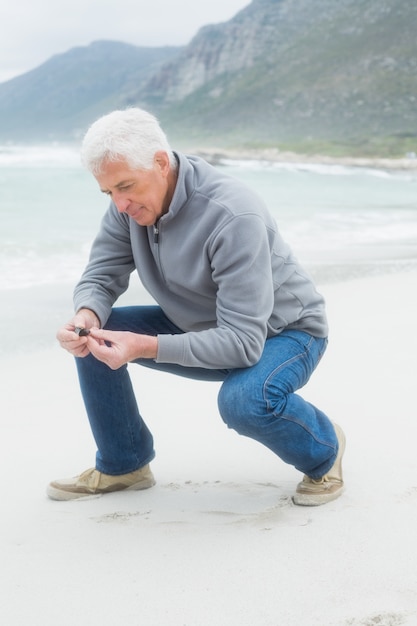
312 492
93 483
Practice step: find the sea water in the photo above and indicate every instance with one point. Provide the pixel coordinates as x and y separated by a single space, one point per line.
341 222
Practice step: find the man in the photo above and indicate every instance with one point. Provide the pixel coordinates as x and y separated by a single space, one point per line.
233 305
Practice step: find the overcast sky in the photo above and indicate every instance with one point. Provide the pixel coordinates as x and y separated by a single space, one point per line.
31 31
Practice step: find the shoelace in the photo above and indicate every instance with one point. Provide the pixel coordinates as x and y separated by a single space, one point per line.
320 481
91 478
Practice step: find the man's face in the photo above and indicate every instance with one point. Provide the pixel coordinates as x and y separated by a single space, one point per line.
144 195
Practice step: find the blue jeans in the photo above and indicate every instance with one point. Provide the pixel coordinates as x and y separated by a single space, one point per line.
258 401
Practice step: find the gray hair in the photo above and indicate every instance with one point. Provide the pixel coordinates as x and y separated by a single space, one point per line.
132 135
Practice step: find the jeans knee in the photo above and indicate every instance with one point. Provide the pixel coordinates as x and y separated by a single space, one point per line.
239 409
246 409
229 406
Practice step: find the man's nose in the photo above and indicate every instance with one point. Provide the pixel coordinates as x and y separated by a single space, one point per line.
121 203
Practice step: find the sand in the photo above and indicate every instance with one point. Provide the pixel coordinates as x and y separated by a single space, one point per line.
218 541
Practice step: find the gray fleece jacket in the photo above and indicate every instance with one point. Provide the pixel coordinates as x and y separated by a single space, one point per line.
218 268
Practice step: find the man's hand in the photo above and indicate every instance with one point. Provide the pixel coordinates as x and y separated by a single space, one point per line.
70 340
115 348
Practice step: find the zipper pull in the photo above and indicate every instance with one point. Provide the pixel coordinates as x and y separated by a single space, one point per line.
155 234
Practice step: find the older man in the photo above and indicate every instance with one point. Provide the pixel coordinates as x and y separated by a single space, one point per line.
234 305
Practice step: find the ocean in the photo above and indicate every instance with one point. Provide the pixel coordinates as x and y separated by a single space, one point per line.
341 221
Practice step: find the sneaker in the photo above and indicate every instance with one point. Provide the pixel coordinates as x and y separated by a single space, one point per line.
95 483
312 492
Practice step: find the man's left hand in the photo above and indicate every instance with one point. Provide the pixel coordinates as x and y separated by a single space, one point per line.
115 348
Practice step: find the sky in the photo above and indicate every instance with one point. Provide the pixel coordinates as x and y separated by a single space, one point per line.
31 31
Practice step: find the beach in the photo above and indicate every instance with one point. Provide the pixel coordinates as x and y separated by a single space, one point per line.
218 541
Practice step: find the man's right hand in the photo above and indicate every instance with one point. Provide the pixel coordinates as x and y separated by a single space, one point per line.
70 340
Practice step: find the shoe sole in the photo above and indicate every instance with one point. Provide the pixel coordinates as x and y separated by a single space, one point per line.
304 499
63 495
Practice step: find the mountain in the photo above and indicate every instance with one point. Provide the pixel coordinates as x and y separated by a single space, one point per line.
308 75
61 97
300 74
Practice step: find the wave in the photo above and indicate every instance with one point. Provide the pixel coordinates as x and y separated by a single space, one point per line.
322 169
52 155
28 266
68 155
332 231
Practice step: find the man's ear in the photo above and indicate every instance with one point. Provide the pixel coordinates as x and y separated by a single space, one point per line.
161 160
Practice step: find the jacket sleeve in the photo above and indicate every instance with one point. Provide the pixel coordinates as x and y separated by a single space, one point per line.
240 258
107 273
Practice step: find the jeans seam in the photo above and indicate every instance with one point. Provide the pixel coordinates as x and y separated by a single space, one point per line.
282 415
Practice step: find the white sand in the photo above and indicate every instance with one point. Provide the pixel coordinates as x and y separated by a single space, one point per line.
218 541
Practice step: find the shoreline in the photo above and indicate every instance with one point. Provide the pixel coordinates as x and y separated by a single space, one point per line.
216 155
274 155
